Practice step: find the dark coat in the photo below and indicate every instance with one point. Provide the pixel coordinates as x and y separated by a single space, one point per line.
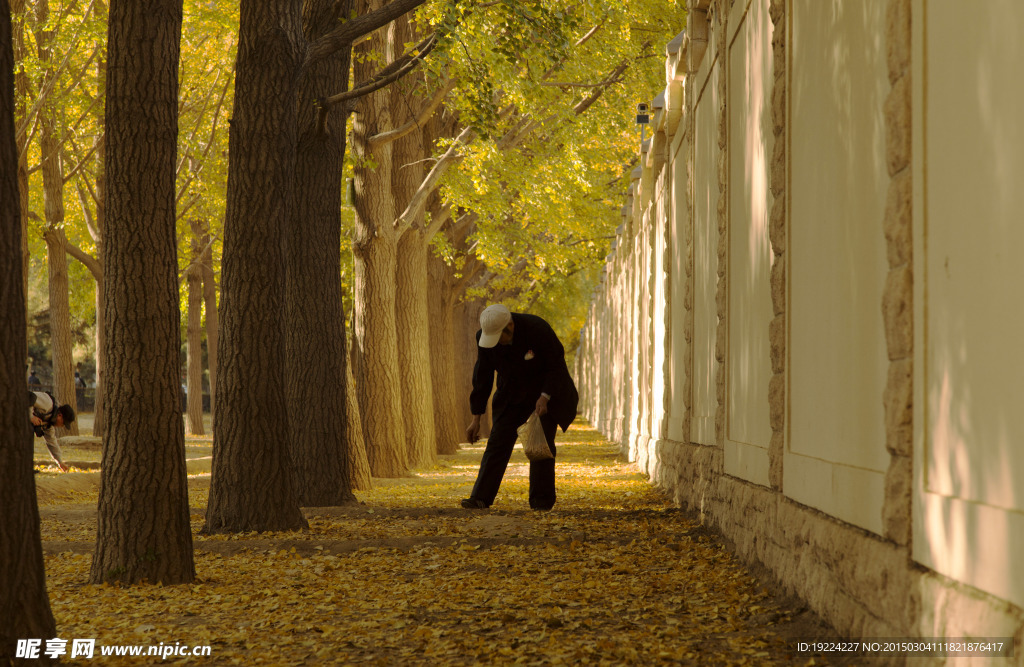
532 364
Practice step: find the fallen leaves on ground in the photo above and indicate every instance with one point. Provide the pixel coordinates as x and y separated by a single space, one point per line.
613 575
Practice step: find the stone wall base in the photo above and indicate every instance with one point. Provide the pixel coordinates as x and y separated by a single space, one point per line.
860 584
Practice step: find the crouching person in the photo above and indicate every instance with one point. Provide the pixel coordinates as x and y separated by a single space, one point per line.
45 414
532 377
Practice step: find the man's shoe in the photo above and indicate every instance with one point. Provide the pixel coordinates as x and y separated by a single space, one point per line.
473 504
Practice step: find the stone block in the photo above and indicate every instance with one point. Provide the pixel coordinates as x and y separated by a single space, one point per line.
778 285
779 48
899 219
778 173
776 449
777 226
777 343
896 511
949 609
898 128
898 398
777 401
898 312
778 104
897 38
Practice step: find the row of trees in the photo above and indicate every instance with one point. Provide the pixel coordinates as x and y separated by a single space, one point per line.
489 141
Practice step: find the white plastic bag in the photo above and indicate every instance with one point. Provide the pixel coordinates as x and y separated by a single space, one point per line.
535 445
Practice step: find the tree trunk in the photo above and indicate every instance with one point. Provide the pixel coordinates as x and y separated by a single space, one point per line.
143 476
374 248
358 465
60 322
99 424
412 320
414 347
212 324
22 94
315 336
56 242
447 403
194 343
24 604
253 480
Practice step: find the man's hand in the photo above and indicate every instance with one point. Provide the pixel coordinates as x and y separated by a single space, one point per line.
542 405
473 430
36 421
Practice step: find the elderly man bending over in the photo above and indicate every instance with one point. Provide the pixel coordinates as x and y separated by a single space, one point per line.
45 414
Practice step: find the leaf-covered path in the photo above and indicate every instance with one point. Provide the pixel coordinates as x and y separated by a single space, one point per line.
613 575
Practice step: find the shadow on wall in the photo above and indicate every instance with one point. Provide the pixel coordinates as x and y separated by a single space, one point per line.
971 276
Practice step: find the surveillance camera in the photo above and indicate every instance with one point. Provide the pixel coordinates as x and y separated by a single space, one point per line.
641 108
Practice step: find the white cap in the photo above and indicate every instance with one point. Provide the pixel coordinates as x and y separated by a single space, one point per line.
492 322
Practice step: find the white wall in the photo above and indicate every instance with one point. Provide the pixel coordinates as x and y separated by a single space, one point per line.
969 280
705 253
748 430
835 459
680 231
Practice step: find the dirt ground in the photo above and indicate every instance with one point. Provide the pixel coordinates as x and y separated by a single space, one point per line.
613 575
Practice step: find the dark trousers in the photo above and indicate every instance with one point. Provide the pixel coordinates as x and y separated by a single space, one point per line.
499 450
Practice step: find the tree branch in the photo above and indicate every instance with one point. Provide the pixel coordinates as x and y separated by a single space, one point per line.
437 221
346 33
387 75
418 121
87 260
419 198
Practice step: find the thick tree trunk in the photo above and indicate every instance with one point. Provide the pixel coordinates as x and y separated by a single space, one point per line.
315 336
53 200
24 605
379 388
375 251
21 97
212 322
253 481
60 322
143 476
447 404
99 424
99 428
358 465
414 348
194 344
413 323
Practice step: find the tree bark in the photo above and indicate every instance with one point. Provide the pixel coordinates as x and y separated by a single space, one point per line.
358 465
24 604
253 479
411 316
440 307
53 198
447 404
375 250
212 323
60 322
22 93
315 336
143 476
99 426
194 343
